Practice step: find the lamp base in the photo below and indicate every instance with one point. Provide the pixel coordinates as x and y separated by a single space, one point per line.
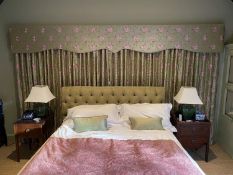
188 111
41 109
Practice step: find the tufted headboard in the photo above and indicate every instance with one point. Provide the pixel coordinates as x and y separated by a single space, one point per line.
78 95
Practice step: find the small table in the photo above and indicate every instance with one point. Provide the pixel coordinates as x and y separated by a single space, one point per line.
194 134
29 129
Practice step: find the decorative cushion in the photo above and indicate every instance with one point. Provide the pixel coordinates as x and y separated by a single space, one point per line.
142 123
95 123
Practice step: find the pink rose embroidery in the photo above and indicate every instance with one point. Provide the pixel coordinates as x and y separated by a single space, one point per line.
126 29
126 46
76 29
34 38
177 46
214 29
178 29
144 29
42 30
196 29
136 39
59 29
161 29
204 37
17 38
109 29
160 46
213 46
221 37
194 46
93 30
109 47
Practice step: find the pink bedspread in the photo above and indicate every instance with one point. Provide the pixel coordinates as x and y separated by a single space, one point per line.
98 156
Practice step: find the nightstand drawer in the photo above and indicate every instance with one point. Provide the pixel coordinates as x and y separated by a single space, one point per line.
25 128
194 129
192 143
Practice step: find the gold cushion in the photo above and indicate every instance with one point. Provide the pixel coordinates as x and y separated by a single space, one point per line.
142 123
96 123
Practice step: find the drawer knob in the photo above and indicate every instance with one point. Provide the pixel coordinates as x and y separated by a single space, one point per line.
27 130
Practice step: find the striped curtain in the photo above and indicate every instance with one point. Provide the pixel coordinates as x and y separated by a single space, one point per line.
170 68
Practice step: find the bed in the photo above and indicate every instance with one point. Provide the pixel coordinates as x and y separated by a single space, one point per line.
116 149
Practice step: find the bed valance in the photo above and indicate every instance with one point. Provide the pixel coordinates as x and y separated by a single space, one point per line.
143 38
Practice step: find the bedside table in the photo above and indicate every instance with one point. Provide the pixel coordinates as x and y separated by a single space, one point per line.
29 129
193 135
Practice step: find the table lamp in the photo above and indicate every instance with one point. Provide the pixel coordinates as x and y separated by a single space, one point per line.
187 97
40 95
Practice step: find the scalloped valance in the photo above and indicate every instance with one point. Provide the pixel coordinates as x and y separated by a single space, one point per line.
143 38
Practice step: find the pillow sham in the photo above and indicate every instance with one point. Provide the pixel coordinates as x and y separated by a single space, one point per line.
109 110
150 110
95 123
143 123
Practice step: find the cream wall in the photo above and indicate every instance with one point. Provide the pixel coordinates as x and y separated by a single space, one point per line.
98 12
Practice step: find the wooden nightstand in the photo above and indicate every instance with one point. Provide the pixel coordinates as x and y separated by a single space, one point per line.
193 135
29 129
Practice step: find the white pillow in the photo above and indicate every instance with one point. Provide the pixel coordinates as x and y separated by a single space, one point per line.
149 110
110 110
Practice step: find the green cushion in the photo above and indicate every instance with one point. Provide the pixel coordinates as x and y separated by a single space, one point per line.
142 123
96 123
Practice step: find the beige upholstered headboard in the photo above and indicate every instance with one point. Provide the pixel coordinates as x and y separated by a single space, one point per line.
78 95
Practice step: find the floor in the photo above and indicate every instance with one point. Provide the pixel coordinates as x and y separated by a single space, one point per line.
219 162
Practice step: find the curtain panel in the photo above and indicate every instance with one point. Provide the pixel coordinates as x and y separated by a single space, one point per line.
171 68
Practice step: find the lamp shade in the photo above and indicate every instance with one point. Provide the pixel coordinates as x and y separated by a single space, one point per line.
188 95
40 94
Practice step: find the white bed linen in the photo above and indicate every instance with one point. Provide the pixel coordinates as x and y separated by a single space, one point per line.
119 132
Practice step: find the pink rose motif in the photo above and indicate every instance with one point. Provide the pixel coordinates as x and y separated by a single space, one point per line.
93 30
101 38
93 47
213 46
126 29
204 37
144 29
34 38
186 38
25 30
76 29
177 46
50 38
178 29
59 29
196 29
76 47
17 38
221 37
44 47
136 39
160 46
27 47
42 30
109 29
60 46
161 29
109 47
214 29
126 46
194 46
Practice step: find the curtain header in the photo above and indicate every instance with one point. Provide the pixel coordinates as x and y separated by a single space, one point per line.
143 38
